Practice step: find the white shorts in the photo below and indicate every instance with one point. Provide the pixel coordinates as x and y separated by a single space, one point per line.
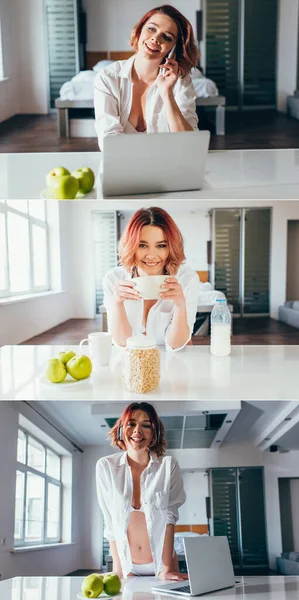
143 570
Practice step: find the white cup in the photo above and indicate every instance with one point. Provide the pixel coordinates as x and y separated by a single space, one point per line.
149 286
100 345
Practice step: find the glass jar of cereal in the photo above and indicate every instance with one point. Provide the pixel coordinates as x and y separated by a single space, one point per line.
141 364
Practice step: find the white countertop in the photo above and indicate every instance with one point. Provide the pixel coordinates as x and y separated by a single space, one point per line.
230 174
139 588
249 373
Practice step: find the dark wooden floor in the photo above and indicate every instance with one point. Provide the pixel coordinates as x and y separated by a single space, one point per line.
247 130
256 331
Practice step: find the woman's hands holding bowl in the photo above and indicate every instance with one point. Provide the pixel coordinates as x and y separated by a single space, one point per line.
125 290
172 290
166 82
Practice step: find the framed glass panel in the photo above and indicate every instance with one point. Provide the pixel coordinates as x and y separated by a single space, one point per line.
257 261
19 505
227 255
36 455
53 464
18 253
53 511
39 248
34 523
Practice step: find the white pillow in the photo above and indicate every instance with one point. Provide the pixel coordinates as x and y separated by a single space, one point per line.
101 65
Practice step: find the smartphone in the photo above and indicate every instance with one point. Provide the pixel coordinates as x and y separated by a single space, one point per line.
169 55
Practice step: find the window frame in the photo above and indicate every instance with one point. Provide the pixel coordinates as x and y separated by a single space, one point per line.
25 468
6 209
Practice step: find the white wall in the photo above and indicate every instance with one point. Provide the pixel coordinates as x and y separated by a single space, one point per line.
288 11
24 48
91 542
51 561
23 319
193 512
8 95
282 212
294 486
30 29
110 22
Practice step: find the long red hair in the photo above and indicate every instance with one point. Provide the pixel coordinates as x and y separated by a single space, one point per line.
157 217
186 51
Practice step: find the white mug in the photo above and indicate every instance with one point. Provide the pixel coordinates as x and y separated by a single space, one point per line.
149 286
100 345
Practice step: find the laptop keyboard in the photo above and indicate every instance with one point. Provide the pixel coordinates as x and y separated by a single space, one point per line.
183 588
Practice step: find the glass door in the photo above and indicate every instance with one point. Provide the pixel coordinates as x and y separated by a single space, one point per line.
259 71
236 515
241 49
241 258
63 44
256 262
227 248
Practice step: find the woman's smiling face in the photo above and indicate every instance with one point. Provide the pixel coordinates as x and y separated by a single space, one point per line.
157 37
138 432
152 252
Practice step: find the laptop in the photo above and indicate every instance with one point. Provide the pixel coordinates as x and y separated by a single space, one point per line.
148 163
209 568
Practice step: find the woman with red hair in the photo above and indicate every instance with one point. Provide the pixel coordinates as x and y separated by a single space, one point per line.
152 244
140 491
152 91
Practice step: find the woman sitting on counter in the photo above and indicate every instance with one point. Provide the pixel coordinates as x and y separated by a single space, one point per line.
152 91
152 244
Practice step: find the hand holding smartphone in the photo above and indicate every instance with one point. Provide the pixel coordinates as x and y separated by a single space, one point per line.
170 55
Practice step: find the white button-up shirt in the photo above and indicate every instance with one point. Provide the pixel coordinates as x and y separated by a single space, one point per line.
161 313
113 94
161 491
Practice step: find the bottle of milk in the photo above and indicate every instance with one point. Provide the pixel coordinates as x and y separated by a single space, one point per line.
220 329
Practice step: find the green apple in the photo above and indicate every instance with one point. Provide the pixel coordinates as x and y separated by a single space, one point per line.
85 178
112 584
79 367
92 586
57 172
64 187
66 356
56 370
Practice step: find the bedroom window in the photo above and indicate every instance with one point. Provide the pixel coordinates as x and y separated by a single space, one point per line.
38 497
24 253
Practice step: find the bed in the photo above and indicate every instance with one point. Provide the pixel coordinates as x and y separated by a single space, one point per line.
75 116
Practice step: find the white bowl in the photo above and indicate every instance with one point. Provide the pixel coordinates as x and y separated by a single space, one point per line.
149 286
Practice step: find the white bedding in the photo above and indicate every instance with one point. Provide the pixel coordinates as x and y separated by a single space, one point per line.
80 87
207 295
